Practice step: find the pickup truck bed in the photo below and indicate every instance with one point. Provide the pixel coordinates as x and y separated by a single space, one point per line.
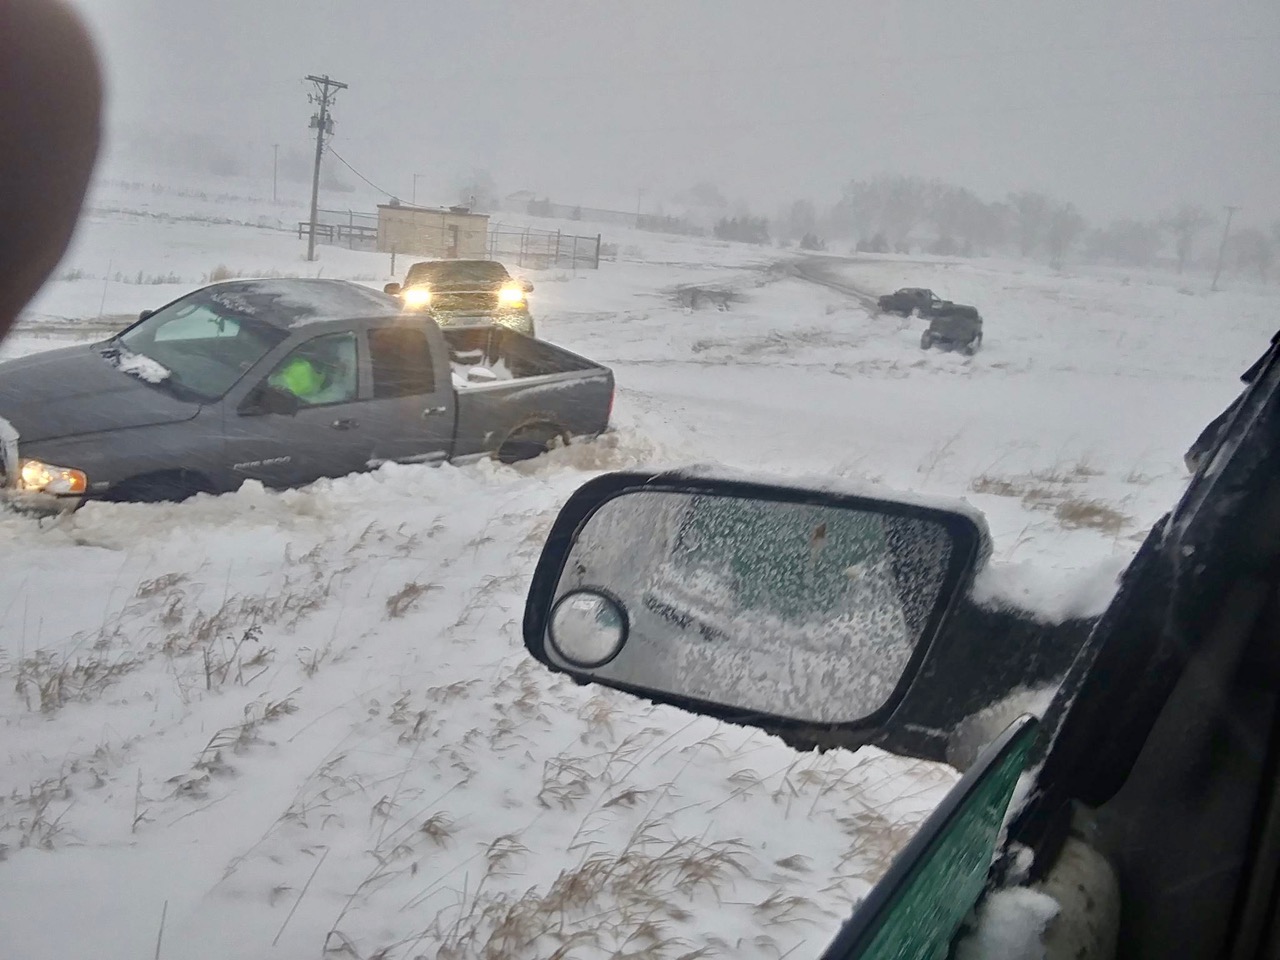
506 383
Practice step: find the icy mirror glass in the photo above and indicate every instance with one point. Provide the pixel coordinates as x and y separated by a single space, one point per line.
799 610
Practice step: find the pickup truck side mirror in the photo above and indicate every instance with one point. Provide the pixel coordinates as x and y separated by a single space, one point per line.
268 399
526 286
144 314
392 289
769 605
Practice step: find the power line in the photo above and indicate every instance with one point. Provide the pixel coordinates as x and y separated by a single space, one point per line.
338 157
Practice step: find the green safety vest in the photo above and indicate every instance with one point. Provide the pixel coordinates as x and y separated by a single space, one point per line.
299 377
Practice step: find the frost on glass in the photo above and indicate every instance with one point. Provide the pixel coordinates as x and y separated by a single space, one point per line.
799 610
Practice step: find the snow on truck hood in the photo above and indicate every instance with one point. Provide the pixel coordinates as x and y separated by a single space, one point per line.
75 390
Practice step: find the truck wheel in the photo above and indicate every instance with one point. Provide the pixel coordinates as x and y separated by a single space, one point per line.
926 340
972 346
525 443
159 488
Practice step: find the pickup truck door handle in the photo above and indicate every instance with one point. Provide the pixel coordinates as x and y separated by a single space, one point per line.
347 424
434 411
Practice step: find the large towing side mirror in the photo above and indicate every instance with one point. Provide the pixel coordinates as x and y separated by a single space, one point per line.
268 399
765 604
392 289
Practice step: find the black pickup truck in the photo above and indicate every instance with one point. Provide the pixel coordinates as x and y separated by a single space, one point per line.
466 291
281 381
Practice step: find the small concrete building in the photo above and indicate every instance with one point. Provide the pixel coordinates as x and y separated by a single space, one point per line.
448 233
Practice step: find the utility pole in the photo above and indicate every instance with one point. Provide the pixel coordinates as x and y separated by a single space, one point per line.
1222 247
322 123
275 172
415 187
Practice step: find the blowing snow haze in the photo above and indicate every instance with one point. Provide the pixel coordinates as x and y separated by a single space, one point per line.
1126 109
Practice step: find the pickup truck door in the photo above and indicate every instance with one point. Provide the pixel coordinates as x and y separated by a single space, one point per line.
411 411
325 437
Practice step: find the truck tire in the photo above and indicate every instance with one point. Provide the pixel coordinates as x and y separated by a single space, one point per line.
926 340
528 442
972 346
172 487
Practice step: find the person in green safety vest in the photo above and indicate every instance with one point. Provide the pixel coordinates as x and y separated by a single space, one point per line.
300 377
320 372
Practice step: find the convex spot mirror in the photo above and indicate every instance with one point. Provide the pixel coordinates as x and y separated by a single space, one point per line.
742 599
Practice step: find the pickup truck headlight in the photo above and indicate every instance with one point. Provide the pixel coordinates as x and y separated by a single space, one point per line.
511 295
35 476
416 297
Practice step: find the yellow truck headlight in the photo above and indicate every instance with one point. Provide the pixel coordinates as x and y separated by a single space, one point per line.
417 297
511 295
35 476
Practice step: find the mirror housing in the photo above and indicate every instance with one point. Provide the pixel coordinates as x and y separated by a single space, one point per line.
268 399
144 314
392 289
526 286
760 603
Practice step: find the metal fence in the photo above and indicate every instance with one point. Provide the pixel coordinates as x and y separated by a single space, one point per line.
542 249
649 222
522 246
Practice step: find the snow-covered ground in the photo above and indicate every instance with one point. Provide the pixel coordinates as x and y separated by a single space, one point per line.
267 724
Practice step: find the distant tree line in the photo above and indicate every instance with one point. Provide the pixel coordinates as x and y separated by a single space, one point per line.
895 213
898 213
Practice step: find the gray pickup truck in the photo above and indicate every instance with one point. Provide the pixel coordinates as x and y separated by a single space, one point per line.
284 382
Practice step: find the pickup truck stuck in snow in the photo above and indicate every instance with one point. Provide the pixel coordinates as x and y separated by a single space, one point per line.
284 382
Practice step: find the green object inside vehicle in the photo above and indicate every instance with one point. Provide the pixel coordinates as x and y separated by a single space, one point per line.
299 377
806 568
918 908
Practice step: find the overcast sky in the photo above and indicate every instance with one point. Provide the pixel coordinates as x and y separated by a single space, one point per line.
1125 106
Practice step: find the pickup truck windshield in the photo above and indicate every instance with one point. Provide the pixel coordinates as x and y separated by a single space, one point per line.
481 271
203 344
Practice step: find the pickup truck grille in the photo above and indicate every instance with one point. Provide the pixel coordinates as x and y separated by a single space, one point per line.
478 302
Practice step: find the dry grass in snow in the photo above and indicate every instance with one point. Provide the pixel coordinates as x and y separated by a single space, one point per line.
281 719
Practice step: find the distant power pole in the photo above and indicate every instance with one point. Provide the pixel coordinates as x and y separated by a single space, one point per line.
1222 247
275 172
322 123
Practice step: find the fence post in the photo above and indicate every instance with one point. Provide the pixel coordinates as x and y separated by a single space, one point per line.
393 259
557 260
596 265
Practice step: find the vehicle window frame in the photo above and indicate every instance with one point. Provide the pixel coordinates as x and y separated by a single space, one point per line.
374 331
265 381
